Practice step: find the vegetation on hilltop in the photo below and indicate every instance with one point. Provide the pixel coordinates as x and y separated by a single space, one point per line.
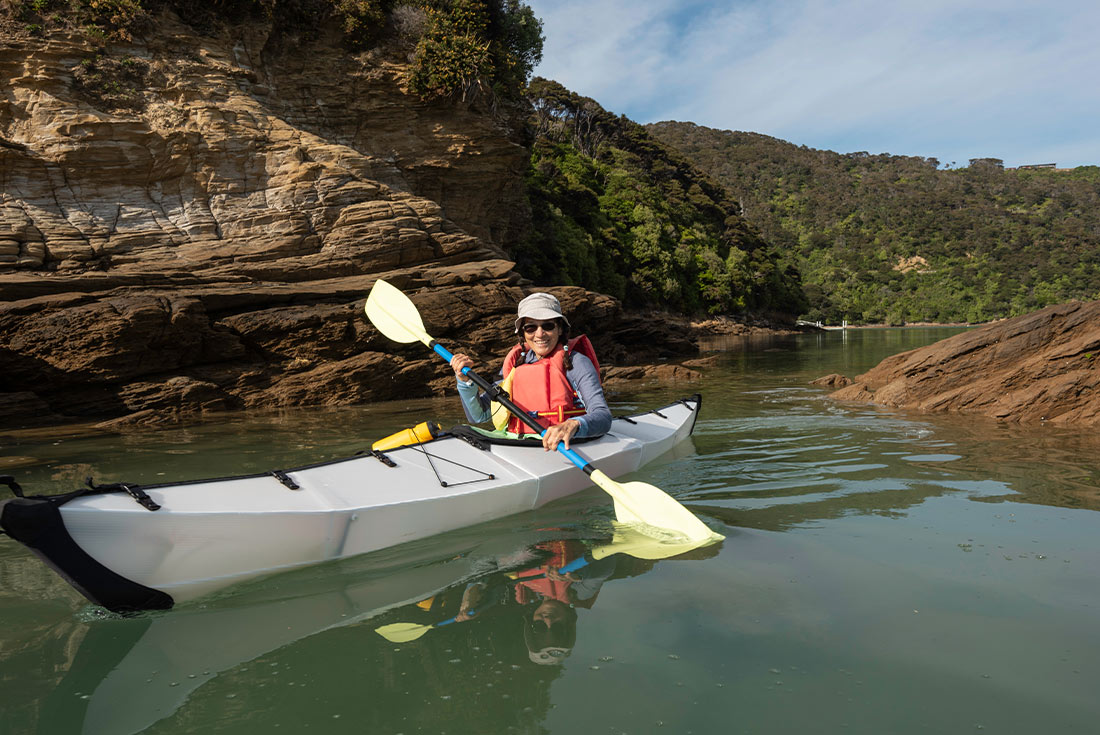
616 211
459 49
881 238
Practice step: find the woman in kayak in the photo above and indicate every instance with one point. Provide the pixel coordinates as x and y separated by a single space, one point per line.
554 378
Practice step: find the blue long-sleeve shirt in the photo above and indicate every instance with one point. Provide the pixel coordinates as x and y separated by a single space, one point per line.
585 381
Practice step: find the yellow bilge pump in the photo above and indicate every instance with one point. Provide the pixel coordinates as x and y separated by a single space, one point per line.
425 431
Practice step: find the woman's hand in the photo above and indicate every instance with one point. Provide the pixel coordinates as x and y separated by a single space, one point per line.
562 432
460 361
471 598
555 576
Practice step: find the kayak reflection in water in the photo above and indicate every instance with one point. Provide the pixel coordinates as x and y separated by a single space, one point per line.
554 378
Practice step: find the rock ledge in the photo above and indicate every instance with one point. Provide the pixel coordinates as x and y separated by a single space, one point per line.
1043 366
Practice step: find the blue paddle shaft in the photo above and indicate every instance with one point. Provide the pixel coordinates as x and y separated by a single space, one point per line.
574 565
448 621
445 354
503 399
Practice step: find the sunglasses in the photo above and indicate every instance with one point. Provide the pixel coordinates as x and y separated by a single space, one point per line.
532 327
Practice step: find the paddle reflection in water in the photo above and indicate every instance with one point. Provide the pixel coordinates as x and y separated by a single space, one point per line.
243 657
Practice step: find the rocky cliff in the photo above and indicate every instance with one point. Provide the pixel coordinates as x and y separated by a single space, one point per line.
1043 366
192 222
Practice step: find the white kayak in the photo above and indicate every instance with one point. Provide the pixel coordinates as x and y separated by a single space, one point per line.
129 547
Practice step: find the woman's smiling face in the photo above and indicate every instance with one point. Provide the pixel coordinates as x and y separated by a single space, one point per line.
543 339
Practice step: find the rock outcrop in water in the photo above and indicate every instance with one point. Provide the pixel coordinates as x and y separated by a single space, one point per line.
1043 366
207 243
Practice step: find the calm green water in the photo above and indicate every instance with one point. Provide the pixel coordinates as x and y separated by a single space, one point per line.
883 572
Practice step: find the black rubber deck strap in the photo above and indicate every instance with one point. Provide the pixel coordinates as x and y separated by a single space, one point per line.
627 419
285 479
659 413
135 492
377 454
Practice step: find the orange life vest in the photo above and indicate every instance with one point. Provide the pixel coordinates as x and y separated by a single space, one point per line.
532 584
542 389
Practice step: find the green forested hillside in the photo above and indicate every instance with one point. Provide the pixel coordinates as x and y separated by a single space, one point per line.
617 211
898 239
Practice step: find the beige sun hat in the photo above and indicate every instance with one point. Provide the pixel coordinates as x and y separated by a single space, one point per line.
550 656
542 306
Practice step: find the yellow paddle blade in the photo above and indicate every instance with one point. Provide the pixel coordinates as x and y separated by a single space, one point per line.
637 502
402 632
394 314
623 514
633 541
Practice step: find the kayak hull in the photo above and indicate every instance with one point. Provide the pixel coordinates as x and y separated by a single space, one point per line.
209 534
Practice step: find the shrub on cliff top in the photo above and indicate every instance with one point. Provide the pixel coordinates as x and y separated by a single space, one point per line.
462 47
473 47
452 58
115 20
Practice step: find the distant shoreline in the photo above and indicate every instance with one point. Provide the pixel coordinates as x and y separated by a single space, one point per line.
907 324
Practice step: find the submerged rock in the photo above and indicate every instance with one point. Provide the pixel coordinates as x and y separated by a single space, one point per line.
1043 366
833 380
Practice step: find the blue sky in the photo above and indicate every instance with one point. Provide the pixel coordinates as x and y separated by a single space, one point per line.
953 80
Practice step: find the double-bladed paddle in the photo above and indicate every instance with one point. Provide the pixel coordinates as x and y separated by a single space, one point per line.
396 316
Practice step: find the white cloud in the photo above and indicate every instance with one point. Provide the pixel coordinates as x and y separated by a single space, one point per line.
1012 79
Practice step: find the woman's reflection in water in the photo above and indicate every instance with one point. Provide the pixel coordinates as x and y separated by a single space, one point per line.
545 598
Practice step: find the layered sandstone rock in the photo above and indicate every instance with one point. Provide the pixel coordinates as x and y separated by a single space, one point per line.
1043 366
205 240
